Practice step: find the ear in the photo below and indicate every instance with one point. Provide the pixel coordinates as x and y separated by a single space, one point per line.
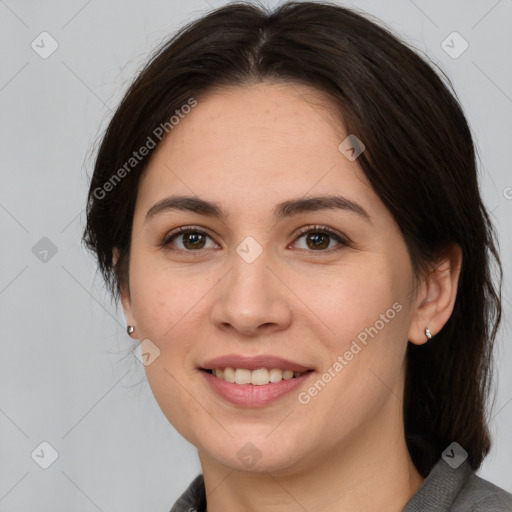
436 296
125 294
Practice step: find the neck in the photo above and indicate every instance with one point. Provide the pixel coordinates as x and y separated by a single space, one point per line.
371 470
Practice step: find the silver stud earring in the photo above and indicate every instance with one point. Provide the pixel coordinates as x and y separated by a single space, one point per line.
428 334
130 329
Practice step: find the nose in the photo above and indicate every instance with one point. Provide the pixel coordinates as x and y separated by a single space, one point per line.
251 301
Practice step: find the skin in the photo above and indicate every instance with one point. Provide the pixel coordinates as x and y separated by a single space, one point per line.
250 148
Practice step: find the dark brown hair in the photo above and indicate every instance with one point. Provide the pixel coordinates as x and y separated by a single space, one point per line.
419 158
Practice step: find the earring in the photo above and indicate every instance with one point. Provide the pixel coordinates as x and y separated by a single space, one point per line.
130 330
428 334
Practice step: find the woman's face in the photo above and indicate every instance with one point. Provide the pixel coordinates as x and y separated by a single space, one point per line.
280 282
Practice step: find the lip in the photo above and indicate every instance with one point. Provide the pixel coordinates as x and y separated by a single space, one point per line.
248 395
253 363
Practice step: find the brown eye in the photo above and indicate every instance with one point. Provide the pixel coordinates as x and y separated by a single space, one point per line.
319 238
187 239
196 240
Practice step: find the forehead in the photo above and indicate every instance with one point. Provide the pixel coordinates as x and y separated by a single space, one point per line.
278 108
255 144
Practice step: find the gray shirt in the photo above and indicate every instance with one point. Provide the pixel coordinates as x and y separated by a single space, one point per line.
444 490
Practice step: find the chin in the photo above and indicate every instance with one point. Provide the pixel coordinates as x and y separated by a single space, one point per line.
254 454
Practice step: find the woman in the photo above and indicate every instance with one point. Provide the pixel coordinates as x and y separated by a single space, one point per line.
287 206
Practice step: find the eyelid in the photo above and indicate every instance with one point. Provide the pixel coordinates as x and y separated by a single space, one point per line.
182 230
313 228
318 228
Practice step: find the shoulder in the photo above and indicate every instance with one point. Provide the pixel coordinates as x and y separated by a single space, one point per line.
479 495
458 489
193 499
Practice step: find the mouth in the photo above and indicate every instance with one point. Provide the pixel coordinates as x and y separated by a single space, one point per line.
257 377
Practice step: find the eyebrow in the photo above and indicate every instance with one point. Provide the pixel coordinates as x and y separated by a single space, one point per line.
282 210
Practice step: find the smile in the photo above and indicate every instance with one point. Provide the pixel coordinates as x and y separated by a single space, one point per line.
258 377
262 392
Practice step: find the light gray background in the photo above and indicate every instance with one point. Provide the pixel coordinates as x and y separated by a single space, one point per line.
68 376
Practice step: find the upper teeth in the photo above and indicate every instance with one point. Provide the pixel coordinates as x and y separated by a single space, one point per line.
257 377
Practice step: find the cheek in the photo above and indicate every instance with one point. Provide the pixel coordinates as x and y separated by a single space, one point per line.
351 298
365 311
164 305
163 298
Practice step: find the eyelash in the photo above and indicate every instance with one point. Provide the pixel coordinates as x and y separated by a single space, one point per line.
317 229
